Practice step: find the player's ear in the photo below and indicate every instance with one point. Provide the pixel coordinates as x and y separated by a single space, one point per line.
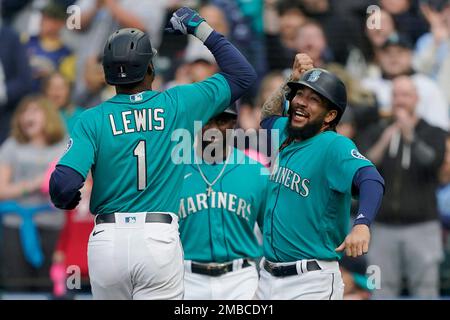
330 116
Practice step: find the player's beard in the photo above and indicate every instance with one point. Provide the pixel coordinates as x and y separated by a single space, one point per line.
309 130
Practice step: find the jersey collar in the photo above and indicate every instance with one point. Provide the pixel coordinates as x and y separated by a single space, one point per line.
136 98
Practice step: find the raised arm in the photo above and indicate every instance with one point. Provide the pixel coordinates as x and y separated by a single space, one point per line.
237 71
274 105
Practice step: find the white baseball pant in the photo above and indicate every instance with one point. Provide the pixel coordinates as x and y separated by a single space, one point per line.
239 284
324 284
134 260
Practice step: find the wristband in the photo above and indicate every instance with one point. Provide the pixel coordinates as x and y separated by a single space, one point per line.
203 31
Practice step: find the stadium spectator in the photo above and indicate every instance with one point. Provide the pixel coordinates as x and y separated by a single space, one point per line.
36 139
200 69
312 41
47 52
395 59
432 54
25 15
361 101
182 76
338 29
378 36
406 237
281 26
15 76
378 27
246 32
97 90
57 89
406 17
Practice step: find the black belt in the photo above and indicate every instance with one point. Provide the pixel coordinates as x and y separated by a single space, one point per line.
215 269
150 217
289 270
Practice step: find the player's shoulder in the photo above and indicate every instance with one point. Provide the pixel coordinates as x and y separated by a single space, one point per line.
342 147
215 79
336 142
91 112
334 138
91 116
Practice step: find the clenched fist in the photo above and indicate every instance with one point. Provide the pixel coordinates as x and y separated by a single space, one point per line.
302 63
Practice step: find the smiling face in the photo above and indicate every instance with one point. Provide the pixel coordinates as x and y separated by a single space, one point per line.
308 114
32 121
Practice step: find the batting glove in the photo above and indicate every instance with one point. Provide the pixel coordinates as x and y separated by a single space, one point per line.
187 21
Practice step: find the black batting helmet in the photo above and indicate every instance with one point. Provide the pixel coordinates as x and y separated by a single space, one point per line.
127 55
325 84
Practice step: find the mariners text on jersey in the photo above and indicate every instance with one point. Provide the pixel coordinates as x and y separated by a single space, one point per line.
137 121
219 200
291 180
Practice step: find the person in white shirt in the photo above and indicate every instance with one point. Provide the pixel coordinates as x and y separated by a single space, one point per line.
395 59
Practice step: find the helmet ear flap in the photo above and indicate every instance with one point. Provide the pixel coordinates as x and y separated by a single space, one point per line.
289 95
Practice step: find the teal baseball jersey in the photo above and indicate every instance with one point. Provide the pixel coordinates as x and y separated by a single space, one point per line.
310 191
126 142
218 225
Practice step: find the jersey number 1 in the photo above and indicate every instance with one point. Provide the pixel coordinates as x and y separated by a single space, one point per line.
140 153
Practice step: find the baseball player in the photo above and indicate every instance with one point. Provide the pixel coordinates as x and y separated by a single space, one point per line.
223 197
310 189
134 251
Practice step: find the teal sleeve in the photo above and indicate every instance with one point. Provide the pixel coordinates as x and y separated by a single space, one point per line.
202 100
264 195
82 147
344 160
280 124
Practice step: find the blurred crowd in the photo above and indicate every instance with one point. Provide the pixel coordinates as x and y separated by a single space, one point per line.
393 58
